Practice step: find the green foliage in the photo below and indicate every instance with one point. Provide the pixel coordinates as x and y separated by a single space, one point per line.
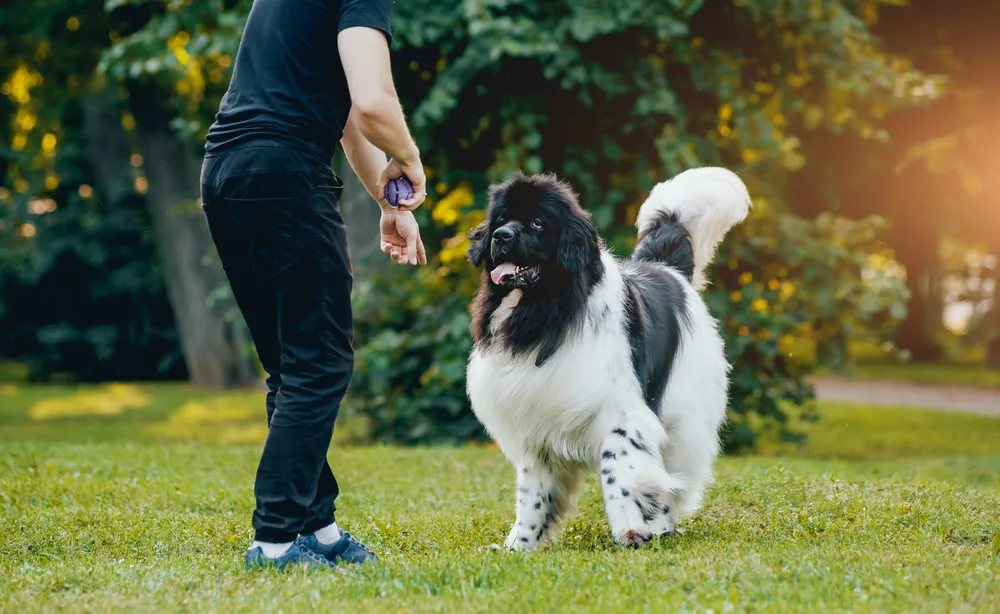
413 345
81 293
100 260
614 96
781 279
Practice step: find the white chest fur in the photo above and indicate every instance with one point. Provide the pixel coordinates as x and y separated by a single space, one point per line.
524 406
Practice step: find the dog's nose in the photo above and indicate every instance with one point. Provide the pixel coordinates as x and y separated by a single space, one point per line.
503 235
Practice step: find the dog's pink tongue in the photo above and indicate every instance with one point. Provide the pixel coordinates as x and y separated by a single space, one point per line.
502 271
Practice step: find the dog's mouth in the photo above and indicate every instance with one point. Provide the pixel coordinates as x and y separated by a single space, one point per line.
512 275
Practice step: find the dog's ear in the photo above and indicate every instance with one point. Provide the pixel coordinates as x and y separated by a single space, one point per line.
578 244
479 244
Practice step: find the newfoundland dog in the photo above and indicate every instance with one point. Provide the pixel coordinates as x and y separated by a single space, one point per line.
585 360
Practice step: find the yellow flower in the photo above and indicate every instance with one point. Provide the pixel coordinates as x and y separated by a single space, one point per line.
18 87
454 249
736 296
448 209
49 142
746 278
25 120
759 304
787 290
773 284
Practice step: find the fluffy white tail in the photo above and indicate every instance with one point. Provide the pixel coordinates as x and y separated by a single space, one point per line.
707 201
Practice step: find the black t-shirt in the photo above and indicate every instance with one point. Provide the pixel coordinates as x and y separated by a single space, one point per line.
288 85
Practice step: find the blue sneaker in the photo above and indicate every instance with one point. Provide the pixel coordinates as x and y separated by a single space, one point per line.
298 555
344 550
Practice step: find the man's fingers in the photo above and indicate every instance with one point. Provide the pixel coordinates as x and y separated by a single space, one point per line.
411 248
410 204
421 254
419 181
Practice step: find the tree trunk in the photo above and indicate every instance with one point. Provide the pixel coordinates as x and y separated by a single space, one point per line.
993 317
915 242
913 334
108 147
934 298
214 348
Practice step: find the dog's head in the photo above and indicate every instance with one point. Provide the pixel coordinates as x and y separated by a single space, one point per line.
535 232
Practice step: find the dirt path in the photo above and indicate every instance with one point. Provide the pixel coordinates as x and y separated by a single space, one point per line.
910 395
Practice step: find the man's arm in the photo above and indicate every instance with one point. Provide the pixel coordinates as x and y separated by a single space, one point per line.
364 53
376 111
400 234
367 160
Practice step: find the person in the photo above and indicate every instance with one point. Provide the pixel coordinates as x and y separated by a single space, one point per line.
308 73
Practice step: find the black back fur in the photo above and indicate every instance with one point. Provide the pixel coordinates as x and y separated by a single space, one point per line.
656 304
657 313
668 242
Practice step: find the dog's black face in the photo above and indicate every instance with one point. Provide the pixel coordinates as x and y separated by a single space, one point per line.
535 234
536 238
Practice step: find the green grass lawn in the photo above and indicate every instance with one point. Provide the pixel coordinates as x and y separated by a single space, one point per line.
869 362
882 510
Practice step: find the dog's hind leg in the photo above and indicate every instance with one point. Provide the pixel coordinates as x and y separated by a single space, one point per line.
546 492
636 486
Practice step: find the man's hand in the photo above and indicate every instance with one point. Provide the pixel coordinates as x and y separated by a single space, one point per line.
401 237
414 172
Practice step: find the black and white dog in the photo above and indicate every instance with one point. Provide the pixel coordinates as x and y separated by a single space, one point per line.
583 360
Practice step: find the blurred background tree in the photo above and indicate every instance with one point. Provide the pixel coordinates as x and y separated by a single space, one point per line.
859 126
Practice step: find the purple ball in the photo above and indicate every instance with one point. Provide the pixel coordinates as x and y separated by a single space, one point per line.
397 190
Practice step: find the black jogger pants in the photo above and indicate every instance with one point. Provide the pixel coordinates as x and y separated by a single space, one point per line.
274 217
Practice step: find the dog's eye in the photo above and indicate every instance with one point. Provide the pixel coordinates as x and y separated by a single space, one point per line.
501 220
536 224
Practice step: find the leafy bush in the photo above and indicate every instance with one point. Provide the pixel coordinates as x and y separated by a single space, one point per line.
613 95
614 98
777 279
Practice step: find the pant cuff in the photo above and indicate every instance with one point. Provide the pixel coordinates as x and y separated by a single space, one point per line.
315 525
272 536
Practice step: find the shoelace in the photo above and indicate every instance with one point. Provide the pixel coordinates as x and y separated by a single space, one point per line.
312 556
357 543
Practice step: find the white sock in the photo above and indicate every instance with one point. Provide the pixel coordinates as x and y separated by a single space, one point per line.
328 534
272 550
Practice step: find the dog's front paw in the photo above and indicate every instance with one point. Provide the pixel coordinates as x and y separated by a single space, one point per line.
518 541
663 523
634 538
